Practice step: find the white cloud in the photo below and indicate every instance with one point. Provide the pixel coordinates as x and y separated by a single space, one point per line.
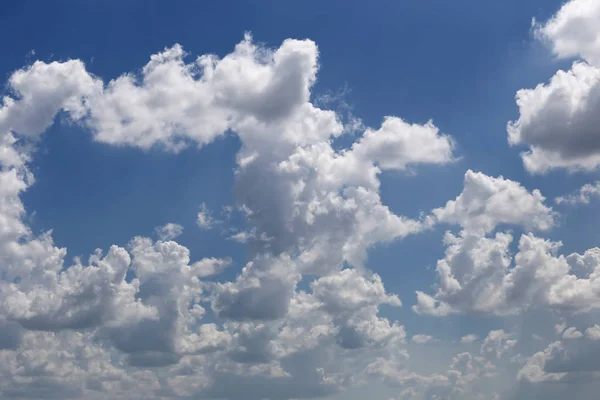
169 231
204 218
574 359
486 202
593 332
560 328
573 31
572 333
43 90
469 338
582 196
497 343
479 275
422 339
398 144
304 316
558 120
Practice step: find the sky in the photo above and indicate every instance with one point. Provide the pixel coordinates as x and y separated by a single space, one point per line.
300 200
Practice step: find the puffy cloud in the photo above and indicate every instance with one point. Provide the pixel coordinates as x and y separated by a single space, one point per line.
487 202
398 144
572 333
560 328
311 211
77 298
573 30
582 196
262 291
558 120
353 300
42 91
479 275
593 332
69 365
172 101
422 339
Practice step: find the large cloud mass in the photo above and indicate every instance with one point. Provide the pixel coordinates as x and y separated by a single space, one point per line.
140 311
304 317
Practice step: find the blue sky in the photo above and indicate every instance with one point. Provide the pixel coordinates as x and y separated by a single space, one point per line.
458 64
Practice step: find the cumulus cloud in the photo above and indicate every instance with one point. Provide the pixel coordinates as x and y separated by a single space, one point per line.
480 275
303 318
487 202
397 144
572 333
558 120
497 343
313 211
573 30
593 332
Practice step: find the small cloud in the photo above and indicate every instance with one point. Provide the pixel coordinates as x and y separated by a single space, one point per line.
243 237
169 231
593 332
582 196
204 218
572 333
469 338
422 339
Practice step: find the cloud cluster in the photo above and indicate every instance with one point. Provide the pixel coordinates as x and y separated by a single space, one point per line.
304 317
558 120
142 309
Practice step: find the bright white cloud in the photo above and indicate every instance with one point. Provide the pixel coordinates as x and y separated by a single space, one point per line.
573 31
558 121
303 318
479 275
144 306
487 202
398 144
